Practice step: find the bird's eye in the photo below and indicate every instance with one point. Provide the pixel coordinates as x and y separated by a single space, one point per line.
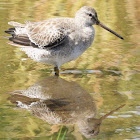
95 14
90 15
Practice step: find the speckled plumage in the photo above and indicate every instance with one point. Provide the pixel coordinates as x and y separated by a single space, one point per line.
59 40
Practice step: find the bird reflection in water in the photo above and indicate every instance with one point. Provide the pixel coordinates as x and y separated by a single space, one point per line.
60 102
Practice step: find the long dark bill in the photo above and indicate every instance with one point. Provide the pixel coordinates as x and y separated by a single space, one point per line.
111 112
103 26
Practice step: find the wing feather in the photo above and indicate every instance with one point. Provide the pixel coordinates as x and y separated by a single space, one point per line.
45 34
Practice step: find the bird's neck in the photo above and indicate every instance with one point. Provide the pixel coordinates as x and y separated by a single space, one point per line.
80 22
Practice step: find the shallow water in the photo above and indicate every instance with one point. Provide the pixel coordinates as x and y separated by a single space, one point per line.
36 105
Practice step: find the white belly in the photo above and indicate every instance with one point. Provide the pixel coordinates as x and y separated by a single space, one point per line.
44 56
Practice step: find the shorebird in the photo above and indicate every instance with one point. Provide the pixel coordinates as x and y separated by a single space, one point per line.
66 104
58 40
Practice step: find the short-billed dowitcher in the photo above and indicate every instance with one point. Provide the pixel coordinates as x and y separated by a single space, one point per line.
58 40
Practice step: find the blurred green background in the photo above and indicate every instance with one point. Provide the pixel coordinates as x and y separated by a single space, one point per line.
109 68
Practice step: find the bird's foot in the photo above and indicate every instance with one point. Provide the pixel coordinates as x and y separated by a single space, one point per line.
56 70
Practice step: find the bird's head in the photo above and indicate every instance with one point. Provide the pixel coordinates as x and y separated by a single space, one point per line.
88 16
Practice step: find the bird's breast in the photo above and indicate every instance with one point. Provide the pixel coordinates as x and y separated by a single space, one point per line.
88 35
84 38
79 41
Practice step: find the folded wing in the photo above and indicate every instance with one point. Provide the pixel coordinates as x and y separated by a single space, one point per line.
43 34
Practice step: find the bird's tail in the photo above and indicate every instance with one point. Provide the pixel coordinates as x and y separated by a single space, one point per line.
10 31
19 35
16 24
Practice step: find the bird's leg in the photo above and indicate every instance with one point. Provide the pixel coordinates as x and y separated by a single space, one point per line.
56 70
